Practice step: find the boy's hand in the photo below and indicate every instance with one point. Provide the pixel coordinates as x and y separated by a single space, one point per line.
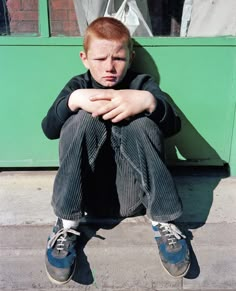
123 104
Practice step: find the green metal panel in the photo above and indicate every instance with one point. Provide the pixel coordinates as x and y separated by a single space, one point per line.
31 77
198 74
199 79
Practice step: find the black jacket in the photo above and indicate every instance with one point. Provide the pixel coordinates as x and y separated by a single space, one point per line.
164 115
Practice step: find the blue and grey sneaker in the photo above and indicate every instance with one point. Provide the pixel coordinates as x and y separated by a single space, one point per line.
173 249
60 258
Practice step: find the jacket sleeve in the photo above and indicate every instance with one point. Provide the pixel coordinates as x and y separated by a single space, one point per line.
59 112
165 114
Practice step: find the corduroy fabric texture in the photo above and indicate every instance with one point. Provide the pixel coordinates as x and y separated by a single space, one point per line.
113 170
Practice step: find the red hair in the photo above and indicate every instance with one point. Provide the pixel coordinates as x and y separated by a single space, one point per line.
107 28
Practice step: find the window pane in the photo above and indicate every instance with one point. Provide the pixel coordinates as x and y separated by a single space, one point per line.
63 20
71 17
209 18
18 17
4 19
193 18
165 16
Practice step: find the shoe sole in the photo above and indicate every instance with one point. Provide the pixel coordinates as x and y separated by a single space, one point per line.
179 276
60 282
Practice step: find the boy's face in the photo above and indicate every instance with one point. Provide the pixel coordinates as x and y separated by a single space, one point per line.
107 60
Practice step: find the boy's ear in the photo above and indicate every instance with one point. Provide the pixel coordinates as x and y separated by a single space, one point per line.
84 60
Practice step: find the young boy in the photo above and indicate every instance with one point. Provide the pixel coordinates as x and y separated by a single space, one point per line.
111 122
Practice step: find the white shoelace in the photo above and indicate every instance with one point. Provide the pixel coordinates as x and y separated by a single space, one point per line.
60 236
171 231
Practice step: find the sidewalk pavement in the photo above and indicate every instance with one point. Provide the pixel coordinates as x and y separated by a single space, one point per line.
119 255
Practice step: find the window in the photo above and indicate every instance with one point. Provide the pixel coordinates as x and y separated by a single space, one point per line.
4 19
166 17
71 17
163 17
63 20
18 17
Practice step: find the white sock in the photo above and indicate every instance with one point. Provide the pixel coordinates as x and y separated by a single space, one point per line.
154 223
70 223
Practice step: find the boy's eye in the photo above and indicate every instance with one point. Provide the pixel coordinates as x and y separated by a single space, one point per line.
114 59
119 59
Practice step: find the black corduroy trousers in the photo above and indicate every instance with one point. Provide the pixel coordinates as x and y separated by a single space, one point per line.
113 170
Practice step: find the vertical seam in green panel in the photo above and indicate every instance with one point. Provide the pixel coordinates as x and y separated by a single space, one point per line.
232 158
44 29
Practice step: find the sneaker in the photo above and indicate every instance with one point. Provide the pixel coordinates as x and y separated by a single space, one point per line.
173 249
61 254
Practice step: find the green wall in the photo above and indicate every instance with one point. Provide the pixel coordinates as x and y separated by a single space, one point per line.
199 74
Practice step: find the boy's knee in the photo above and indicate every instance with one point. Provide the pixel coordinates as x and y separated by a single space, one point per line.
79 123
144 125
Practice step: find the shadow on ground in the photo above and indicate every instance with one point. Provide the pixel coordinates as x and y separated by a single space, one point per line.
196 187
83 273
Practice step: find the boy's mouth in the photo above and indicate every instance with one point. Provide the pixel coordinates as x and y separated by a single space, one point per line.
110 78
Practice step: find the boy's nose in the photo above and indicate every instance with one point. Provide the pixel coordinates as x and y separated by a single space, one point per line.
109 65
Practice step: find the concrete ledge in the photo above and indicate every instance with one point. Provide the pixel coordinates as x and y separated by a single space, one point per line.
121 256
124 257
25 197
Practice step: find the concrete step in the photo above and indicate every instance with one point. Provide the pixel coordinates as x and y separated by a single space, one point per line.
207 197
118 255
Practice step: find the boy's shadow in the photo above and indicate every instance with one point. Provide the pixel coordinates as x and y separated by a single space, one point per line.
83 273
195 184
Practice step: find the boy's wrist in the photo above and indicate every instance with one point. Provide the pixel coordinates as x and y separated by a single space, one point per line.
152 106
73 106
